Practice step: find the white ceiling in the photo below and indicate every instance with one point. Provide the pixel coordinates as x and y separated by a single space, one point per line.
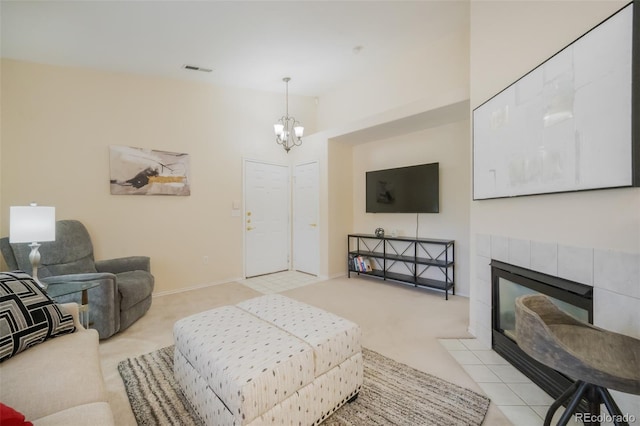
250 44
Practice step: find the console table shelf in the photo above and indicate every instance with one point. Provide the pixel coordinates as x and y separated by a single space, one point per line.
419 262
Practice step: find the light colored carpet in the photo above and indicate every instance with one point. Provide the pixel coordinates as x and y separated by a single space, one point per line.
392 394
399 322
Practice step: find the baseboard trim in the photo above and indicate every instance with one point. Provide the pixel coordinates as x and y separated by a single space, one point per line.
195 287
338 275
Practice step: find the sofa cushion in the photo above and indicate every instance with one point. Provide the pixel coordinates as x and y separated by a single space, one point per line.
96 414
27 315
59 374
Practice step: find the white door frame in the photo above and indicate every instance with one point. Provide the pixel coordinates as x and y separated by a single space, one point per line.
245 160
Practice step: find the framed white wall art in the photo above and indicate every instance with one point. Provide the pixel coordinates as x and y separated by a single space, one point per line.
570 124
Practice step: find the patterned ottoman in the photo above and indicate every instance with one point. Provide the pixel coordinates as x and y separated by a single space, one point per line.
268 360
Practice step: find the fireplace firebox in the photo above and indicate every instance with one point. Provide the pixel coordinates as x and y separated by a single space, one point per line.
508 283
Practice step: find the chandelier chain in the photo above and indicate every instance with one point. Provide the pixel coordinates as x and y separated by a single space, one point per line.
288 130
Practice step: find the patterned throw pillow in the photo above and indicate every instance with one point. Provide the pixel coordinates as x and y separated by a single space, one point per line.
27 315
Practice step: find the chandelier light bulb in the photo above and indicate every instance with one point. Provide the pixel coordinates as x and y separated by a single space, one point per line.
288 130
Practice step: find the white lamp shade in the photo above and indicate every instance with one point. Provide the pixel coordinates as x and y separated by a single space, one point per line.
278 129
29 224
299 131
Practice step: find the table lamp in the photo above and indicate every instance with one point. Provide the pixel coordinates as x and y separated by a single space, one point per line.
32 224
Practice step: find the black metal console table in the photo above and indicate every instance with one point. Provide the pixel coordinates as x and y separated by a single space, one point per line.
420 262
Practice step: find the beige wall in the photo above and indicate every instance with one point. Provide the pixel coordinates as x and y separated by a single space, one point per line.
506 42
356 116
340 205
447 145
2 213
440 66
58 123
593 236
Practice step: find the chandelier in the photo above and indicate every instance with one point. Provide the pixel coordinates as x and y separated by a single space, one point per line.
288 130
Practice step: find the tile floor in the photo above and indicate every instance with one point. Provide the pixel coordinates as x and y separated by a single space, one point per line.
279 281
521 400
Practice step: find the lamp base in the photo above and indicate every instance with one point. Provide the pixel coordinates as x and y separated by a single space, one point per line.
42 285
34 258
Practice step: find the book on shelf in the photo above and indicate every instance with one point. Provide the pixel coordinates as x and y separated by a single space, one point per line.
356 264
361 264
367 265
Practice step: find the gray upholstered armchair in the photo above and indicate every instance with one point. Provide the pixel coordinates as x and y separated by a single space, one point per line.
126 284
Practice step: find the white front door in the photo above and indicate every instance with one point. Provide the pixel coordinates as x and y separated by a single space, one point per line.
306 250
266 218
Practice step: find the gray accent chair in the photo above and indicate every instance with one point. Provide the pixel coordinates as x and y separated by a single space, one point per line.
126 284
595 358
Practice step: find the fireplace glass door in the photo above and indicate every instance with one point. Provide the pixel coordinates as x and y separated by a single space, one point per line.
509 291
510 282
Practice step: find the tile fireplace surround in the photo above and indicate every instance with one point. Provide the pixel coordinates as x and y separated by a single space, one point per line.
614 276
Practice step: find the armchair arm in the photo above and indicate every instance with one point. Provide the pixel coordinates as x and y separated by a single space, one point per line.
104 300
124 264
72 278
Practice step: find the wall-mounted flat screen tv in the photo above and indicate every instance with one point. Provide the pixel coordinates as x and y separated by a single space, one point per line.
413 189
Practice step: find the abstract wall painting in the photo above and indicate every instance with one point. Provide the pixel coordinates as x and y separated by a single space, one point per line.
138 171
570 124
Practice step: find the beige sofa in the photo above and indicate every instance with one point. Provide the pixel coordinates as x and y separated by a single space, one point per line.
58 382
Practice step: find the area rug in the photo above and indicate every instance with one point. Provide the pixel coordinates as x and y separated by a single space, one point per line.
392 394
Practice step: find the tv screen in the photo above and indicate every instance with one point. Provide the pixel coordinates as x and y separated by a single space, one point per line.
413 189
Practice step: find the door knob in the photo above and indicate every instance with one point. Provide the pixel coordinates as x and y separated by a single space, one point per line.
313 225
249 228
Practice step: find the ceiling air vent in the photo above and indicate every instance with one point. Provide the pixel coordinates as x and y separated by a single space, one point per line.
196 68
